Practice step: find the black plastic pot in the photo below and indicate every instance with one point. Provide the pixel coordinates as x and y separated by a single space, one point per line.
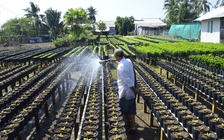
196 130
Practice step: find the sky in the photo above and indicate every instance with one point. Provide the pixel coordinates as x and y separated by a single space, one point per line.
108 10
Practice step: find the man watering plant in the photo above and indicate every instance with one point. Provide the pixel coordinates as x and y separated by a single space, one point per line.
126 88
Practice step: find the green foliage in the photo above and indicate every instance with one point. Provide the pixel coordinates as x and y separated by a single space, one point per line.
18 27
184 11
101 26
52 22
66 41
91 12
124 25
210 60
73 23
182 49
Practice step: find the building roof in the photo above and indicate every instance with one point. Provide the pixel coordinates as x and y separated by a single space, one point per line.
149 22
108 25
216 13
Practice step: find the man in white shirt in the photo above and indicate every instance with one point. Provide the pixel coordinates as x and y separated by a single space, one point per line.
126 87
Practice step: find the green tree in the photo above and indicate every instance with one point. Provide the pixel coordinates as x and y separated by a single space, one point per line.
52 22
32 12
204 6
92 12
74 20
77 28
124 25
217 4
18 28
172 10
101 26
184 11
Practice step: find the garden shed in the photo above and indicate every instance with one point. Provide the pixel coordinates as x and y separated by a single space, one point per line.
212 26
149 26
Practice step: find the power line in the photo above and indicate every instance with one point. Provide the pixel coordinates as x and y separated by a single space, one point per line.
8 10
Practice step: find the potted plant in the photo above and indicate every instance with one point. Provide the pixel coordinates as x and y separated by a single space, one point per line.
60 136
207 136
118 137
179 135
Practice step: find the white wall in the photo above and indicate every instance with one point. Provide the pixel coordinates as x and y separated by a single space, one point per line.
208 36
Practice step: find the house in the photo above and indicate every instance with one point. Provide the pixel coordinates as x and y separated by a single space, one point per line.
110 28
212 26
149 26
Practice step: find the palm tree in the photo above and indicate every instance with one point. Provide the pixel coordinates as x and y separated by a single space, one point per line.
52 22
204 6
172 10
91 12
32 11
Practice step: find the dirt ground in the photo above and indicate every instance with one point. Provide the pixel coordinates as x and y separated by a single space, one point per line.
144 130
25 46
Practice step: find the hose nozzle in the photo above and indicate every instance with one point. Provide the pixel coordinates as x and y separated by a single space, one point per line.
103 61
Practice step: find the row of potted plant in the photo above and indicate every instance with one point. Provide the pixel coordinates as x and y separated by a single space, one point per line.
92 121
115 41
209 87
116 129
172 128
19 90
29 103
12 80
66 122
201 75
209 60
176 95
26 56
6 54
51 55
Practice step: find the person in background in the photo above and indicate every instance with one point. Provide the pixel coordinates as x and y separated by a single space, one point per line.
126 88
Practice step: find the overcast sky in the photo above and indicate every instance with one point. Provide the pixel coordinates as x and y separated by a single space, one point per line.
107 9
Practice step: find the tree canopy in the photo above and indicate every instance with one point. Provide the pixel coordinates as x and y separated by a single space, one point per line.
124 25
185 11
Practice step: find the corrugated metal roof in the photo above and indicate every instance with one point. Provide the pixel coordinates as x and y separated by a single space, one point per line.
109 23
216 13
149 22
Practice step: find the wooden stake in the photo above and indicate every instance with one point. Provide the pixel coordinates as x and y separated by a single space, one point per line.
76 130
46 109
183 86
150 62
167 74
162 135
138 98
151 119
160 70
145 107
20 137
175 80
196 95
214 105
6 89
37 123
106 130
